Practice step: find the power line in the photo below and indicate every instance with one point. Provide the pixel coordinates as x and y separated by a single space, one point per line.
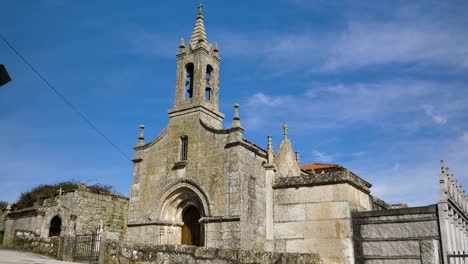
61 95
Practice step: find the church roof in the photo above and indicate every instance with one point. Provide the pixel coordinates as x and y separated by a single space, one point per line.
318 166
199 32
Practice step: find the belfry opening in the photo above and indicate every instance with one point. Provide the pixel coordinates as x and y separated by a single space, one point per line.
191 230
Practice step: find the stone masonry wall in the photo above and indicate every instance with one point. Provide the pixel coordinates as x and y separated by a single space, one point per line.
395 236
29 241
125 253
317 219
93 208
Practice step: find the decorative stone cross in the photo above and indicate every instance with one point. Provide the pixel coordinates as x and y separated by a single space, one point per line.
200 7
60 191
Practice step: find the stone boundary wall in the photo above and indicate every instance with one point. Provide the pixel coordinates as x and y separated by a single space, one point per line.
29 241
409 235
114 252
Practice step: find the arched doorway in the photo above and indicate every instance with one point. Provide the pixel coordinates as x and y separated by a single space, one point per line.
55 226
191 230
184 203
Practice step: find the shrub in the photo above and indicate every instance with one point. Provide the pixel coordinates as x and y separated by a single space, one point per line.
43 191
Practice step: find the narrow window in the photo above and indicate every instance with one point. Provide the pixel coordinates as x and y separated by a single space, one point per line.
208 93
189 80
184 148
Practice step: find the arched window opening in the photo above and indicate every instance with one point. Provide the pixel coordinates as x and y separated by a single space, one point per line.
183 148
208 93
55 226
189 80
191 230
209 70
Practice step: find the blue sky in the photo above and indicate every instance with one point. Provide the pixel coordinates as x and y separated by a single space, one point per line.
378 87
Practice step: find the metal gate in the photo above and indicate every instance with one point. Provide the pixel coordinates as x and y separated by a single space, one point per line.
457 258
86 248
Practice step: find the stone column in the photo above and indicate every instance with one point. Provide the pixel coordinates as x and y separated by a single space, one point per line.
269 202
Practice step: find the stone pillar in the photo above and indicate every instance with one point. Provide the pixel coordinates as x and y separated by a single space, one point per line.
429 251
269 201
39 224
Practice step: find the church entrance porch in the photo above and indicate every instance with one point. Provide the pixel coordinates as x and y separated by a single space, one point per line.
184 205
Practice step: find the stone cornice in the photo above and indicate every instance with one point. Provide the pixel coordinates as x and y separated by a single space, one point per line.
249 146
336 176
157 223
218 219
24 213
149 144
191 109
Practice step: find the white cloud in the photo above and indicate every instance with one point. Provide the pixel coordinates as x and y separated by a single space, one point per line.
260 99
364 44
438 119
322 157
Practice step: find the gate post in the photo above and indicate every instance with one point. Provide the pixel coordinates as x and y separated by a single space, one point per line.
65 251
102 248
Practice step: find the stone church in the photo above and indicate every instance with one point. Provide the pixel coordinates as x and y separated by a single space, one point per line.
200 184
204 185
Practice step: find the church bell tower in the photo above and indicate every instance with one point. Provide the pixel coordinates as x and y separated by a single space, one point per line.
197 79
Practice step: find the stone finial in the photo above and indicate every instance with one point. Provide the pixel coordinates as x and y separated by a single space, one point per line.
215 47
271 151
285 130
236 118
8 208
298 158
141 138
181 45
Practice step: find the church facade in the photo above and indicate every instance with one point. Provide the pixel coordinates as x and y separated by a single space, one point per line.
200 184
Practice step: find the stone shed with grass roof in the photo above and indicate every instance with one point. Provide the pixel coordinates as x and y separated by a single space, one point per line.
70 213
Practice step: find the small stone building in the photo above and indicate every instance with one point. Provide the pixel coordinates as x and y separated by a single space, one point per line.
200 184
75 212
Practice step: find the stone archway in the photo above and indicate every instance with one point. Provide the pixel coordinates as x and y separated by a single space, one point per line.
184 205
55 226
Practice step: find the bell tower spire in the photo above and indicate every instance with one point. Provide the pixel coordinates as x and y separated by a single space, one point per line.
199 32
197 79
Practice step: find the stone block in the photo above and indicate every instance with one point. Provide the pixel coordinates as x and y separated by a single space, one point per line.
289 213
289 230
304 195
328 229
391 248
392 261
327 210
430 251
329 249
400 230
